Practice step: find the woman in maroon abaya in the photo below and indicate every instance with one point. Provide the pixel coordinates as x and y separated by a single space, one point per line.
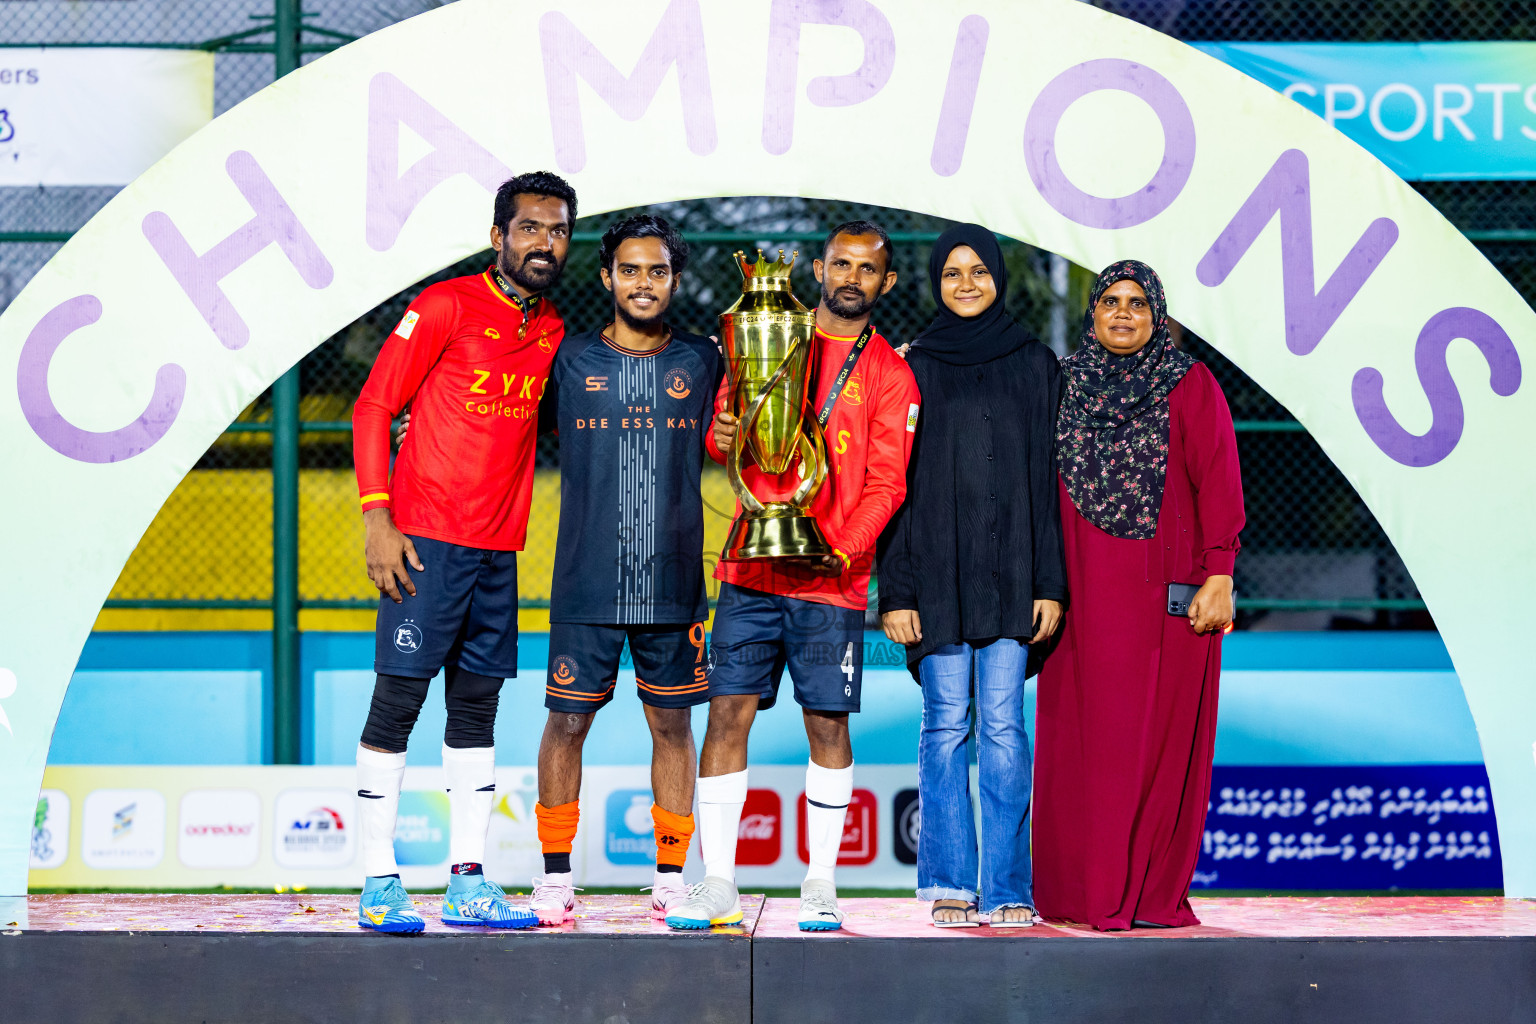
1126 716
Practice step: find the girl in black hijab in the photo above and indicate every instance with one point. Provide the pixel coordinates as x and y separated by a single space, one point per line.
971 573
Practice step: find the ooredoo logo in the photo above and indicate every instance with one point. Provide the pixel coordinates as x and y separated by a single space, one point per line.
219 828
759 838
859 831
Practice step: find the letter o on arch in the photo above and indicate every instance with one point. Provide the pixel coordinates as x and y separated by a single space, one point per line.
1178 143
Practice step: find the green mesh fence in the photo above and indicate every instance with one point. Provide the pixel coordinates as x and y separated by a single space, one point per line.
1324 562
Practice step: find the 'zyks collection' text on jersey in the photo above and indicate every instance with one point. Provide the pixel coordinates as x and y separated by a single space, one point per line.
869 441
632 428
472 362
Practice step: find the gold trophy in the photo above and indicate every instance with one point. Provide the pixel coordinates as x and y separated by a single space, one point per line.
767 340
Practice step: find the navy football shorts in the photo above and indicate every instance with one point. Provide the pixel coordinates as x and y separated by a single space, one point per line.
464 613
758 634
584 665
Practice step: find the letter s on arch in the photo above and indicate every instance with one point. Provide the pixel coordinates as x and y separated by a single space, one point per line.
50 425
1447 414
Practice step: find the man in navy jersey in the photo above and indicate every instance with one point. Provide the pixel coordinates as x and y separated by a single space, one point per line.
633 404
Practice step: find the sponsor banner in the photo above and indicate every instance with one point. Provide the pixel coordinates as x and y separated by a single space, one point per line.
1368 827
1426 110
219 828
1277 828
123 829
861 831
50 829
421 828
88 116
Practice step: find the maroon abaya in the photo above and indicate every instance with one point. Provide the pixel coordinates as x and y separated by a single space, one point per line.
1127 701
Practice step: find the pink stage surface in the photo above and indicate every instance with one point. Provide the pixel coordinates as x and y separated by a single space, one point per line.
1228 918
302 913
1244 917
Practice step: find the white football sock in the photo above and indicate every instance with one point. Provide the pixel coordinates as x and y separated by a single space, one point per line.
827 793
471 775
721 798
378 801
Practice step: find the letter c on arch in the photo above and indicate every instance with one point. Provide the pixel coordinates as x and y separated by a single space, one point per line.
49 423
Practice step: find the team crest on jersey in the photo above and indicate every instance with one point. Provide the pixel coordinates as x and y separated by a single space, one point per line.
408 637
564 670
544 343
678 383
853 391
408 324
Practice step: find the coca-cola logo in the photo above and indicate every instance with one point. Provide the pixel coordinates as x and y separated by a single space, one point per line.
757 826
220 830
859 844
759 838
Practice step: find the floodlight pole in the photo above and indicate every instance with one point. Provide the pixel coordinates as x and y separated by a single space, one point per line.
286 710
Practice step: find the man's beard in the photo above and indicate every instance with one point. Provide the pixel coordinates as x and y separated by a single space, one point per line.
636 323
840 303
535 279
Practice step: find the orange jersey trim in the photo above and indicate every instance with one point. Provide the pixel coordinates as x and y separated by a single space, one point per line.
573 695
689 688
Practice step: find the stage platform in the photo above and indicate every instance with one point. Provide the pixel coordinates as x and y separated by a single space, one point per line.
297 957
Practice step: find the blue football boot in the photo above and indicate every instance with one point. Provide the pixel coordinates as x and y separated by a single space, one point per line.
475 899
385 906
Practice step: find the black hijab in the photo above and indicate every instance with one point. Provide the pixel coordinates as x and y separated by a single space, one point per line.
1112 432
992 333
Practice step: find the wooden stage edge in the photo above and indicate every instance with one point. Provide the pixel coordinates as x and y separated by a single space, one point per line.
296 957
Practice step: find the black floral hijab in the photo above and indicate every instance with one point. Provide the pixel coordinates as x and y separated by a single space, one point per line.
1112 434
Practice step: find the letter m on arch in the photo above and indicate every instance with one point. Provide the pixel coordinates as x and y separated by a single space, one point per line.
1309 312
568 54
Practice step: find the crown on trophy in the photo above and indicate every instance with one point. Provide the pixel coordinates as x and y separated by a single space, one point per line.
763 268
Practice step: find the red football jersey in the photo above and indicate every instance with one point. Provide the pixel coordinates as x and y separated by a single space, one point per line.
473 378
869 441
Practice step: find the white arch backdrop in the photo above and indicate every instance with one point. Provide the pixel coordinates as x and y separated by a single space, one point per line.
348 181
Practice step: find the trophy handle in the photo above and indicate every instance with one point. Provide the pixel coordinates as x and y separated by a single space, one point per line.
744 428
813 451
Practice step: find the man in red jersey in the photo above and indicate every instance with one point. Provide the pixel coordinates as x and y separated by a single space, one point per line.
471 357
808 617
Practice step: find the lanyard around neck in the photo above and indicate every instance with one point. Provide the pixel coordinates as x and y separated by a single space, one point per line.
842 378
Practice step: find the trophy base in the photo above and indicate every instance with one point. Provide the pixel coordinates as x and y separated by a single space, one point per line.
780 530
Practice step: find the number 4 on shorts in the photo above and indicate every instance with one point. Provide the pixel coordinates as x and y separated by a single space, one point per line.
847 667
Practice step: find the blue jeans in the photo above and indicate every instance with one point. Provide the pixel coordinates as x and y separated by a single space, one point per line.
946 847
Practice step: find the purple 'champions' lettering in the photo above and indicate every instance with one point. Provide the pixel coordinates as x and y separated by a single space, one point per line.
50 425
1178 143
959 95
274 223
1448 418
678 39
393 196
785 20
1286 191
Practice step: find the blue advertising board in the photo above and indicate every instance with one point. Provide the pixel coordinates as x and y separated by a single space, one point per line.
1426 110
1364 827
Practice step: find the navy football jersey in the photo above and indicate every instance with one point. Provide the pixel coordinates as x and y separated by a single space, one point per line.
632 428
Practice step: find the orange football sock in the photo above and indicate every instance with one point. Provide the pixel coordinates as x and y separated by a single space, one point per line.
673 831
557 826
